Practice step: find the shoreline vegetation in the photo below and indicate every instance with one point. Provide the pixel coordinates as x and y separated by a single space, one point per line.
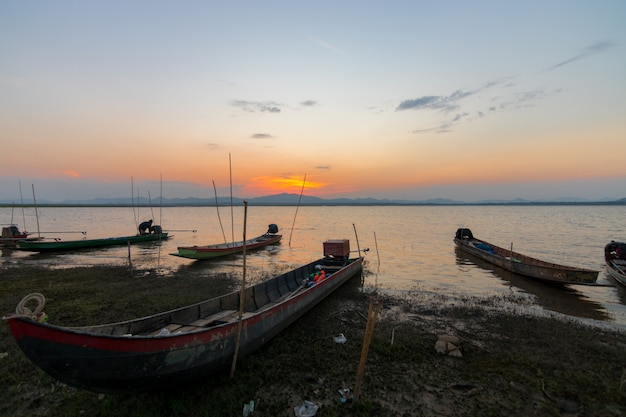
496 359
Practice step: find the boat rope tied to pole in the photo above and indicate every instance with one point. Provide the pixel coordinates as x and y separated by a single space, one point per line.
37 314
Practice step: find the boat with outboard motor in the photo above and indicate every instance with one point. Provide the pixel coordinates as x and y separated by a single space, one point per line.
230 248
523 264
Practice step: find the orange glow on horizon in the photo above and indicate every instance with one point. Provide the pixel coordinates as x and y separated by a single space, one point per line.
71 173
276 185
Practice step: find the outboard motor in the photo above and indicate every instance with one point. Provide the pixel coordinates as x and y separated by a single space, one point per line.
462 233
272 228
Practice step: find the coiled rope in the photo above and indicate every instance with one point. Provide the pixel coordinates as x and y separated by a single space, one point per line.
37 314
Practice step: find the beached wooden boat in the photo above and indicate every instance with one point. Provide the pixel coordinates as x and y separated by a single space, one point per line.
615 258
181 345
523 264
12 234
68 245
230 248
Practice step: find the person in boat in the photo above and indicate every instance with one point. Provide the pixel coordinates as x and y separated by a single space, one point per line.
144 227
156 229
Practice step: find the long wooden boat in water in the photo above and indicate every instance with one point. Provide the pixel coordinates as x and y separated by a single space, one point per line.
615 259
67 245
181 345
523 264
230 248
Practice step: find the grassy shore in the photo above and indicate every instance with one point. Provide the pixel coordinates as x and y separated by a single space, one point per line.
510 364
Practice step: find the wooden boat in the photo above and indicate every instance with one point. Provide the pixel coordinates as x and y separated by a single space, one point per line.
224 249
615 258
177 346
12 234
68 245
522 264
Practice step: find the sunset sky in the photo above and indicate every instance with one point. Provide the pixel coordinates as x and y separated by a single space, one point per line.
467 100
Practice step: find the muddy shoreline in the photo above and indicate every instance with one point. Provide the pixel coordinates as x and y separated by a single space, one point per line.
508 363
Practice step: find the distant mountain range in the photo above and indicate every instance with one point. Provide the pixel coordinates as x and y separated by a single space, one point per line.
286 199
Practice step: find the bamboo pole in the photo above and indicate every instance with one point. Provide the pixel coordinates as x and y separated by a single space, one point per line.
36 211
130 262
132 200
372 314
242 293
232 217
217 207
151 208
377 254
356 236
22 200
297 207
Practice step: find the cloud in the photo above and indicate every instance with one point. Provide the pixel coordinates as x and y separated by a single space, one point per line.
261 136
591 50
445 103
323 167
257 106
454 103
446 126
325 45
309 103
526 99
71 173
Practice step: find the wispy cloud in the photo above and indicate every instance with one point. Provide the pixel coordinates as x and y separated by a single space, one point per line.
257 106
446 126
261 136
444 103
325 45
309 103
71 173
454 103
591 50
525 99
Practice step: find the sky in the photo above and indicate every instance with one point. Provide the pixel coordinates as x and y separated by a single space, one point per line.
403 100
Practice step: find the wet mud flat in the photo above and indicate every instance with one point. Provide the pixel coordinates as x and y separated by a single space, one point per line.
499 361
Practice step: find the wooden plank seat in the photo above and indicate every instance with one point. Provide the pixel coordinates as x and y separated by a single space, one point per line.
224 316
220 318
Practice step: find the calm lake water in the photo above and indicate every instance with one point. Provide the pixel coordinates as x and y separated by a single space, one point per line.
410 248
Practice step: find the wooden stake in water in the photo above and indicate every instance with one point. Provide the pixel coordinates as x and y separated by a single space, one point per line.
36 211
232 218
242 293
130 262
297 207
22 201
217 207
356 236
377 254
369 329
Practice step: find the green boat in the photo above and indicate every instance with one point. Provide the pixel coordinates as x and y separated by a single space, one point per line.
67 245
